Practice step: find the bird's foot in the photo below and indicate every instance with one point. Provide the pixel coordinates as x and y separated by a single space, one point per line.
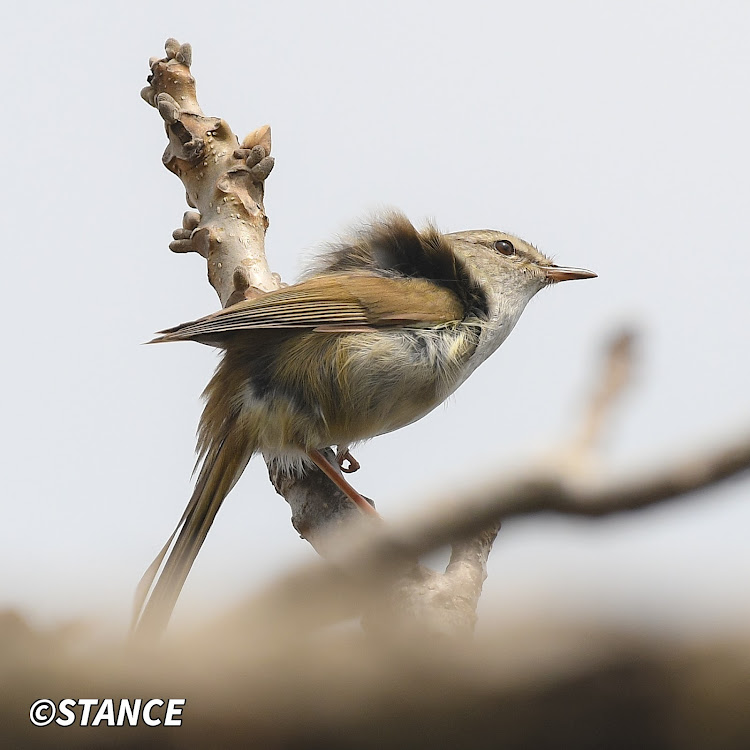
322 463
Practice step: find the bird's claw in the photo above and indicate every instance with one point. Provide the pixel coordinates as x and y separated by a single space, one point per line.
345 457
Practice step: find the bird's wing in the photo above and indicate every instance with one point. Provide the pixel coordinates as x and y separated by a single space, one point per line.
333 303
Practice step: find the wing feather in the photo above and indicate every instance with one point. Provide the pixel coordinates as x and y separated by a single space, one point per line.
329 303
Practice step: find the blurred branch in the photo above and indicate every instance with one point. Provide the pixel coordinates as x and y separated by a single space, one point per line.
533 685
373 561
502 499
616 372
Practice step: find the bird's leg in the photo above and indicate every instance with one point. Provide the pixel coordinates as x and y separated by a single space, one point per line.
343 454
320 461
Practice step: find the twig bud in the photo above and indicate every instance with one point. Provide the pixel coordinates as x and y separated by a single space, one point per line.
168 108
148 95
185 54
171 47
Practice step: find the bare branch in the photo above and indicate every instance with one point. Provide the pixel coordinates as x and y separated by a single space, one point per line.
617 366
229 230
224 180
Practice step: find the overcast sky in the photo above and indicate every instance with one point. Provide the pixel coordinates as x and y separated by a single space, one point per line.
614 136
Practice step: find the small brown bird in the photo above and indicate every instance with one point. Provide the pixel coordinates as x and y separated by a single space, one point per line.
384 329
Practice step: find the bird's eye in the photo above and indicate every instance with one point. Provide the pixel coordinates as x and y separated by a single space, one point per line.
505 247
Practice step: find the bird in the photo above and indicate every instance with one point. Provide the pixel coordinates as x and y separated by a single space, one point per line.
384 326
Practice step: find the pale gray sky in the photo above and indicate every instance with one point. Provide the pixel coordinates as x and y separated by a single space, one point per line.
612 135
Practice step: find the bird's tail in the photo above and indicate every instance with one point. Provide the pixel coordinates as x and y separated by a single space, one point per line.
223 465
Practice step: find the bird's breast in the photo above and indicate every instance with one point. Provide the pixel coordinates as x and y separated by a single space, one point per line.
313 389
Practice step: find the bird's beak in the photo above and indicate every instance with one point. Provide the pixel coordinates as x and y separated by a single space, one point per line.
556 273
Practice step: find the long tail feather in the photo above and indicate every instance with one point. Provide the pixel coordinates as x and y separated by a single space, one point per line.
222 467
